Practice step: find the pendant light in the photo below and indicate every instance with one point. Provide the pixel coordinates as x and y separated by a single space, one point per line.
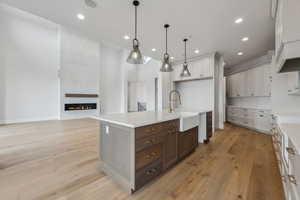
185 71
135 56
166 66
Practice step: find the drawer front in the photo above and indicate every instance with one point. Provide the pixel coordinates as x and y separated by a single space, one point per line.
155 129
294 171
149 141
147 174
148 156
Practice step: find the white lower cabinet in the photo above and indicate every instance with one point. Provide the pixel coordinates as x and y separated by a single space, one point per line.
257 119
288 161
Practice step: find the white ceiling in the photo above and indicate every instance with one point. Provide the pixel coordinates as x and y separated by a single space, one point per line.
210 23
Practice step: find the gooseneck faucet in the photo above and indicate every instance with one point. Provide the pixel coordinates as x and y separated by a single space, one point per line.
171 109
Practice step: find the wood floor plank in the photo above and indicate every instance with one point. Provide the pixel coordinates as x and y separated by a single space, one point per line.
57 160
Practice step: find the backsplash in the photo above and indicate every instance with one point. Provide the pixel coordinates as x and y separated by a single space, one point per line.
255 102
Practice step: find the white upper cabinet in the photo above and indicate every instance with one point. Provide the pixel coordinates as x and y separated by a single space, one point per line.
250 83
287 33
255 82
200 69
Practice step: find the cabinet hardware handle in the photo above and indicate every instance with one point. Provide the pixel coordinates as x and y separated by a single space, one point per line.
153 170
292 179
149 172
148 142
153 154
283 178
291 151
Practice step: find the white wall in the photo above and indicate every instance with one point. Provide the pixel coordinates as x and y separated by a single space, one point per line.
80 71
196 94
281 101
252 102
41 61
111 80
29 67
2 79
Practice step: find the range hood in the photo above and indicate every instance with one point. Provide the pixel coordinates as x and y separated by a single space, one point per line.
288 59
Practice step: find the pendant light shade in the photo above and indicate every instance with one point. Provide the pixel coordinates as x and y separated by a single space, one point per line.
166 65
135 56
185 71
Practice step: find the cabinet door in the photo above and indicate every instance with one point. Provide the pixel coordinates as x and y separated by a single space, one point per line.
241 84
235 85
259 82
251 82
171 147
262 120
195 69
267 80
206 68
188 141
229 86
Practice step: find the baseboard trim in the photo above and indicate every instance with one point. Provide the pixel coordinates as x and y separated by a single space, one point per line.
17 121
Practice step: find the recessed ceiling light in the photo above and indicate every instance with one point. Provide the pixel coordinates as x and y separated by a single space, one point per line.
240 53
126 37
153 49
197 51
239 20
80 16
245 39
172 58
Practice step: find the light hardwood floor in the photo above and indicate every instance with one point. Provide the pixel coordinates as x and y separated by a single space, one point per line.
57 160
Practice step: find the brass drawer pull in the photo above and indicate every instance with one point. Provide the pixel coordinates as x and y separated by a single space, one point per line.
283 178
153 153
151 171
291 151
292 179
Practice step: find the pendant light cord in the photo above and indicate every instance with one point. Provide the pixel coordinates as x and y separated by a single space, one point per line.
185 51
166 40
166 27
135 33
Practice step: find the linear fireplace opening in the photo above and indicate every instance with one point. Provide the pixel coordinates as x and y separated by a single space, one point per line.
80 106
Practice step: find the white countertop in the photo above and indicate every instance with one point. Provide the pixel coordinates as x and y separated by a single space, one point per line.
289 124
138 119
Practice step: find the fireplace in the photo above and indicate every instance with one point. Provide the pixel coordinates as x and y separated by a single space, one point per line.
81 106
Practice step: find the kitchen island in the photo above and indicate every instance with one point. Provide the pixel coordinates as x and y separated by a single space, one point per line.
135 148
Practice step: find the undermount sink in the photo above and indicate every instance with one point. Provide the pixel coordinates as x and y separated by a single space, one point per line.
188 120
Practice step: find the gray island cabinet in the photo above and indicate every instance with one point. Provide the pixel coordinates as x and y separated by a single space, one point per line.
135 148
